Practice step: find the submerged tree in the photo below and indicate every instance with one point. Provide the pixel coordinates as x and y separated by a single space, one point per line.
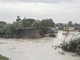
36 24
43 26
18 19
46 24
27 22
18 24
14 29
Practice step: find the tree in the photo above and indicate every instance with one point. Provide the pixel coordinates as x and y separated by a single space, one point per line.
46 24
27 22
18 19
18 24
70 23
2 22
61 26
2 25
76 24
36 24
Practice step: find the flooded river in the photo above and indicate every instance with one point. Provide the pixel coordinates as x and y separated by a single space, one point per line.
35 49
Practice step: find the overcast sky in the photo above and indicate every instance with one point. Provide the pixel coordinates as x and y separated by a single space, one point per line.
59 10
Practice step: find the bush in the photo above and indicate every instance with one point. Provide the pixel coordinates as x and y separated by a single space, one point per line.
3 58
72 46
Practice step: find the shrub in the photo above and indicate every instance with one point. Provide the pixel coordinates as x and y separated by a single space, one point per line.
72 46
3 58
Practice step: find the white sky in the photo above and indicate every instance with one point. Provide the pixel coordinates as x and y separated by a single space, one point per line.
59 10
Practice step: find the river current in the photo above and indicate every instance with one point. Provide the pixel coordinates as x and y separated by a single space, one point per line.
36 49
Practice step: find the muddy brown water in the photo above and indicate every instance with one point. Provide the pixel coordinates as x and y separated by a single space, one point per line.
35 49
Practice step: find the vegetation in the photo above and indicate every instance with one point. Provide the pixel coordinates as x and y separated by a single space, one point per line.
70 23
27 22
42 26
3 58
72 46
13 30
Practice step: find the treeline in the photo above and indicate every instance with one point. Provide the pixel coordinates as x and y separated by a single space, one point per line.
70 23
13 30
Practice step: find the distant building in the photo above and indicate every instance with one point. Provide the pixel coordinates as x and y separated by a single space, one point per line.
69 28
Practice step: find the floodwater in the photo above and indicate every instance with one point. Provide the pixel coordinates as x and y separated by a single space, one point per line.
36 49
